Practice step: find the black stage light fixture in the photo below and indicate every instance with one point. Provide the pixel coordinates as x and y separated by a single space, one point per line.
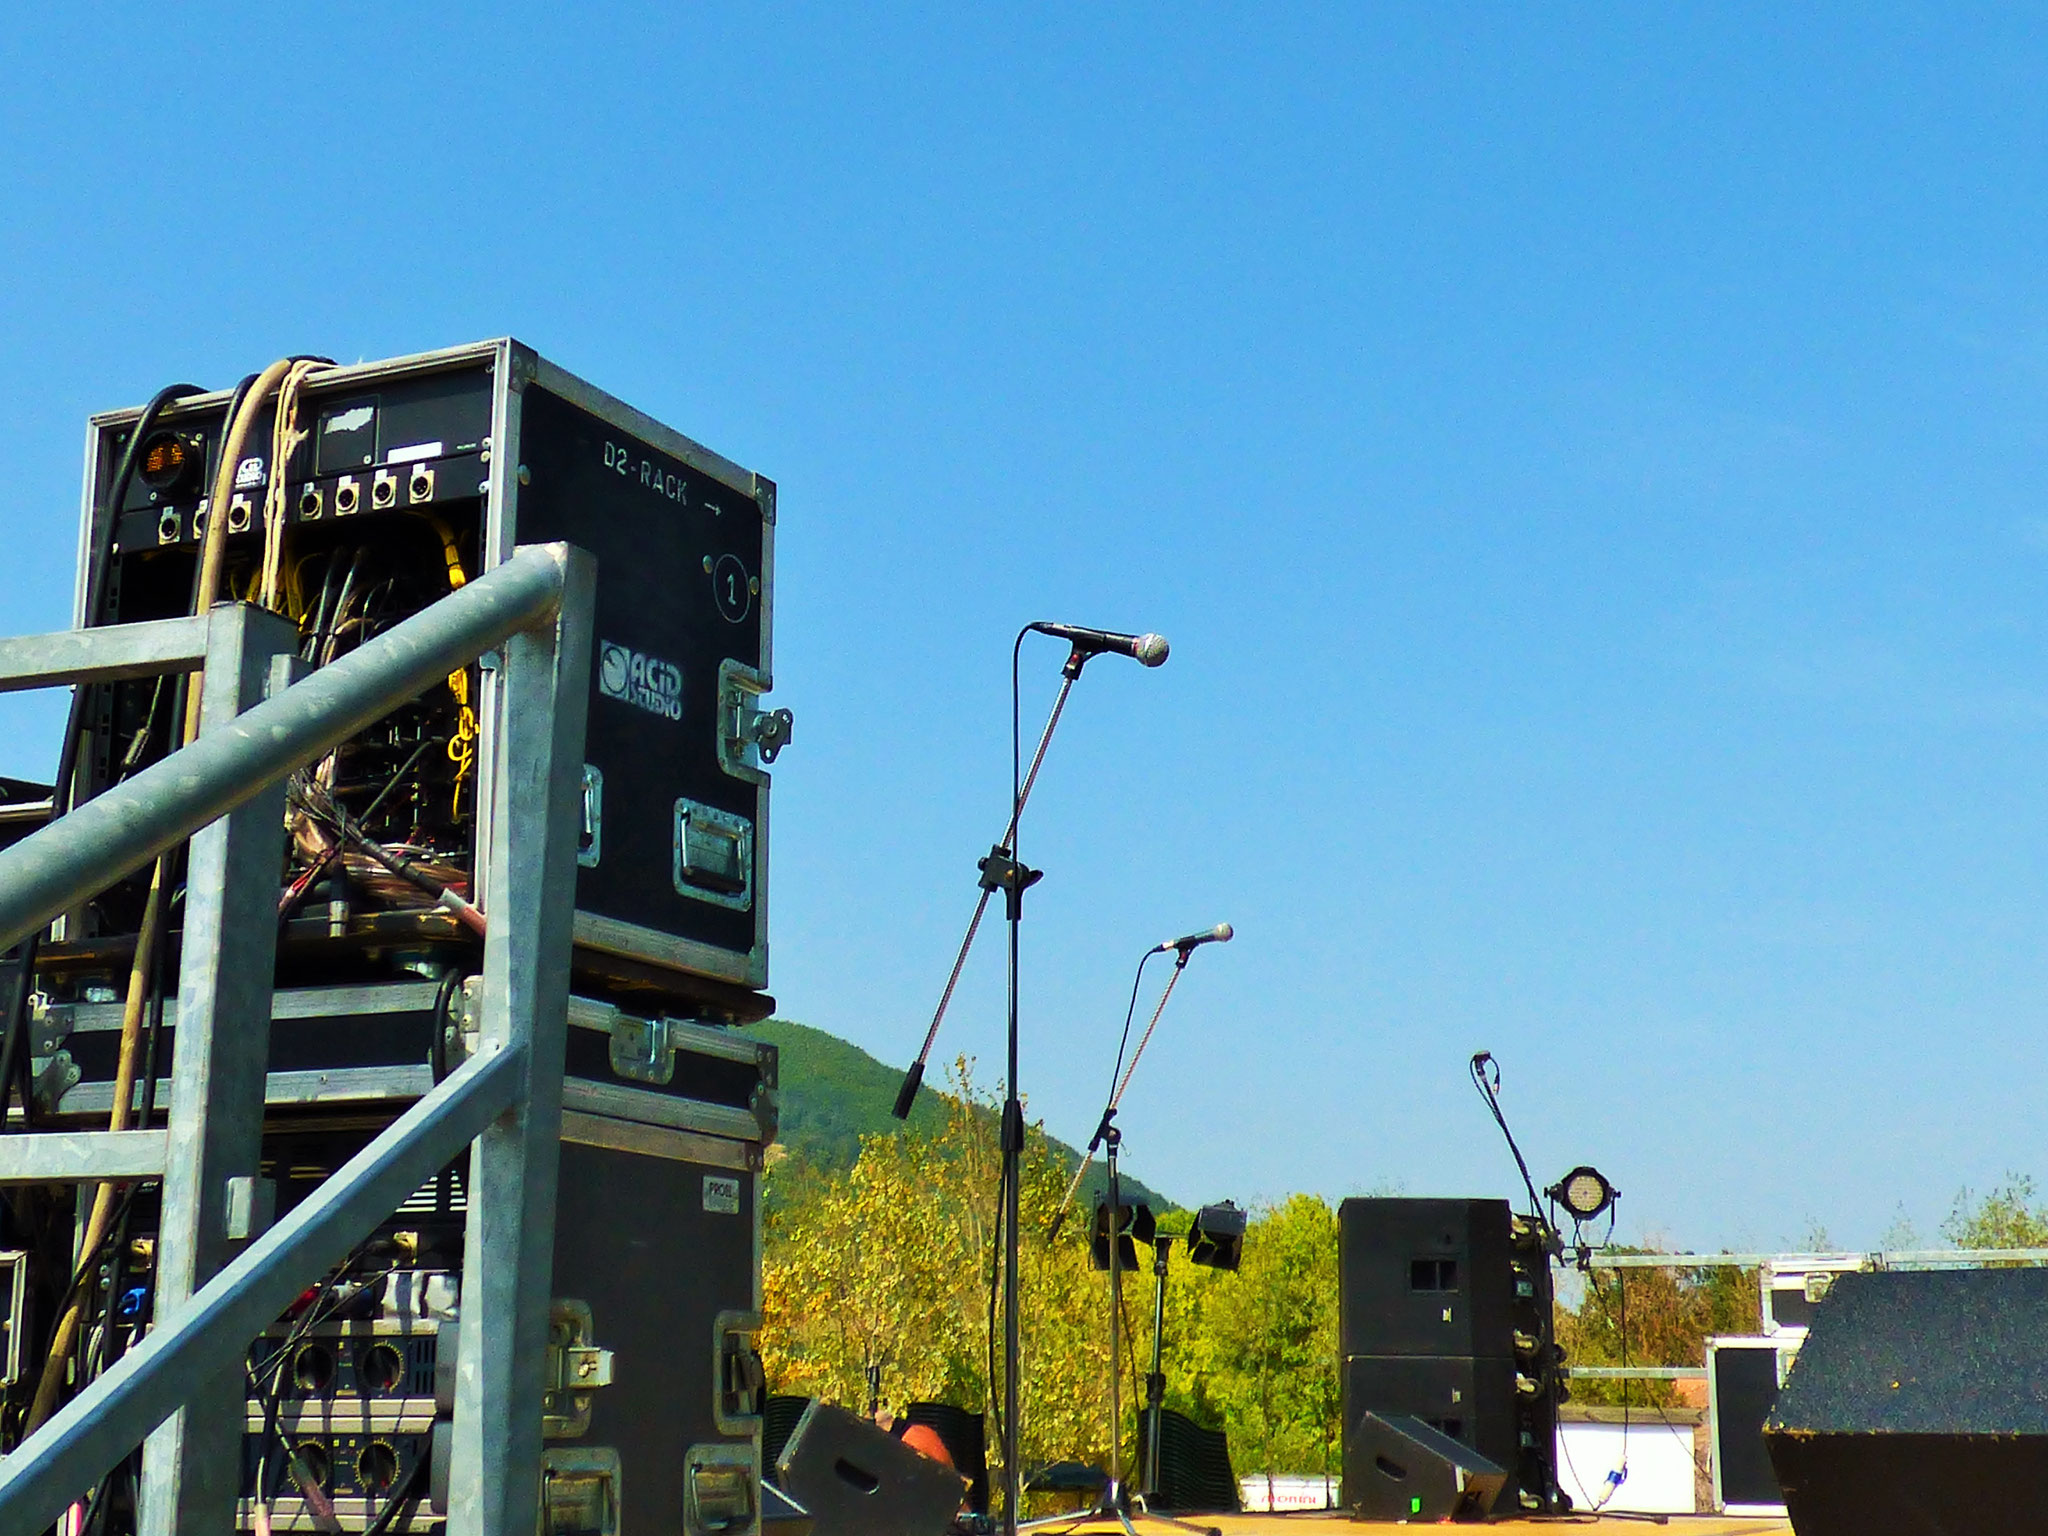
1136 1227
1584 1192
1217 1237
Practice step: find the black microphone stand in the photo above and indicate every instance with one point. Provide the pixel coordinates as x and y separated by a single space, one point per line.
1116 1502
1003 871
1155 1379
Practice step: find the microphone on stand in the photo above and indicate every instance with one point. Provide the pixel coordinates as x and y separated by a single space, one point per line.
1146 650
1181 948
1220 934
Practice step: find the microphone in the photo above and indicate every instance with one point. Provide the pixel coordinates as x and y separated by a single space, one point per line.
1146 650
1218 935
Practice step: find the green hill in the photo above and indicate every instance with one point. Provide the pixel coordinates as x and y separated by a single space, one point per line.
833 1093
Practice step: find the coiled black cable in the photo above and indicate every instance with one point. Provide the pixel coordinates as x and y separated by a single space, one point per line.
13 1060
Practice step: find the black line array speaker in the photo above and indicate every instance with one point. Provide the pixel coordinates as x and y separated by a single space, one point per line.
1919 1405
1444 1317
1194 1465
1424 1277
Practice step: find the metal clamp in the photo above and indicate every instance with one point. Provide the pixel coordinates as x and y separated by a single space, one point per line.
54 1078
463 1031
49 1025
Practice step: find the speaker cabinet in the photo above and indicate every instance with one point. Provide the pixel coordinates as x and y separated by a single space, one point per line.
855 1479
1472 1402
1919 1404
1425 1277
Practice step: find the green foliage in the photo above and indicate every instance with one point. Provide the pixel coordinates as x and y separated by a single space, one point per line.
1652 1317
884 1265
833 1094
1255 1352
2010 1216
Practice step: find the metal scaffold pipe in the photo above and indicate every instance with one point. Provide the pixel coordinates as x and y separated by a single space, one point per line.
83 853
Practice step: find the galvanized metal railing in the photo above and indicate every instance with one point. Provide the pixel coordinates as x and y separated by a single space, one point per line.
181 1387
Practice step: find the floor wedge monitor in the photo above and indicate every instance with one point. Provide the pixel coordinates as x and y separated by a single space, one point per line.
1399 1468
858 1480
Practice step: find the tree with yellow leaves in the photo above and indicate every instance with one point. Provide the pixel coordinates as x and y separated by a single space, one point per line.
882 1274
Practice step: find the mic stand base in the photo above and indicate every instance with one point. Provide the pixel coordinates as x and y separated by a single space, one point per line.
1117 1503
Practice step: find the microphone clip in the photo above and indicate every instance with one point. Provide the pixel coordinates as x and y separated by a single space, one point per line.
1106 1130
1082 653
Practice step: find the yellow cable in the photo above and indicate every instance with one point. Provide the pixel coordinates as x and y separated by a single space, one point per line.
461 746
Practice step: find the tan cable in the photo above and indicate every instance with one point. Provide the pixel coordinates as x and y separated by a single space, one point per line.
285 438
213 539
66 1336
213 550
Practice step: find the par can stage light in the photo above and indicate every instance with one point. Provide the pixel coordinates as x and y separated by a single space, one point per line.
1584 1192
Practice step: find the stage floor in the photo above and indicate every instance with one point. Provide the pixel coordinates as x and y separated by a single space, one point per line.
1326 1523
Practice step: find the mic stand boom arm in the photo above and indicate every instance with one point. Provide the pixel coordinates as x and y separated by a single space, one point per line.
1116 1097
913 1079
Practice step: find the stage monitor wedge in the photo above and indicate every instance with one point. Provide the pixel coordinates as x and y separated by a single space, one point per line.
855 1479
1397 1467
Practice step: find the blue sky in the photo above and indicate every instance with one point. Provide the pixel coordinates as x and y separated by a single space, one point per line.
1590 467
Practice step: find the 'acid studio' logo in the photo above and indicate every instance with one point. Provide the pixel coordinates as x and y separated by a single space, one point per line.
646 681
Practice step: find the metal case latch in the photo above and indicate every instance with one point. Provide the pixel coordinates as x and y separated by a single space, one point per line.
642 1050
745 733
590 835
769 730
576 1368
